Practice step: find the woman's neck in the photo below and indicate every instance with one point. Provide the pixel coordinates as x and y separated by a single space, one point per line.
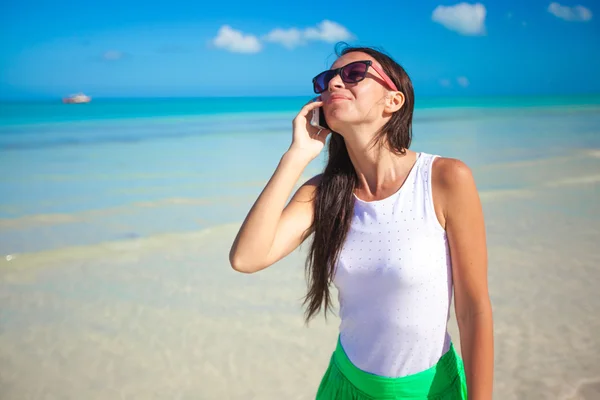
380 171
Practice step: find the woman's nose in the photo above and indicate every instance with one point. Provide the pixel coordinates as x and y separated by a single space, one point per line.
336 82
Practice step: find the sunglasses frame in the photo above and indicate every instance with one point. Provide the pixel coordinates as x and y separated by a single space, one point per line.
338 71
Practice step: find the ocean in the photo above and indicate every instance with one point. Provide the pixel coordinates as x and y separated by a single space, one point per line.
116 220
125 168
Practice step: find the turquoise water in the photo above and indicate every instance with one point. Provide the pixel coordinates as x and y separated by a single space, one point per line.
24 113
114 169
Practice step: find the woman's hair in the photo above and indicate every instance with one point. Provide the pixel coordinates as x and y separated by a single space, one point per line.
334 201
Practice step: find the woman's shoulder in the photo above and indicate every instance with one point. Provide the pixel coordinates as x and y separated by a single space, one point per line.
449 170
451 176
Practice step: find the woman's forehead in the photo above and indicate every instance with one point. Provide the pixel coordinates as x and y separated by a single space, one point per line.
351 57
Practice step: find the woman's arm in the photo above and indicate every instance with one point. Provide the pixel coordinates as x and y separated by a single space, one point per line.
271 229
465 227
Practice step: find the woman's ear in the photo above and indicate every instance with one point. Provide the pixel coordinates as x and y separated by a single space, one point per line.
394 102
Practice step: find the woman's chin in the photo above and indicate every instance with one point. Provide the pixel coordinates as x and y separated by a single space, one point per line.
338 125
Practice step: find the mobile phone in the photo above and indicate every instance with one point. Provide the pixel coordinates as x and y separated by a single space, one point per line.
318 118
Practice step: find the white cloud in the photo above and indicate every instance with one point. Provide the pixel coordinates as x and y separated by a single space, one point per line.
464 18
462 81
289 38
445 82
328 31
112 55
235 41
575 14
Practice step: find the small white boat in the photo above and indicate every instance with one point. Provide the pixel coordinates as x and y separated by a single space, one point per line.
78 98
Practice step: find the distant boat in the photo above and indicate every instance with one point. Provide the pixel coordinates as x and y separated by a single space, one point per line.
77 99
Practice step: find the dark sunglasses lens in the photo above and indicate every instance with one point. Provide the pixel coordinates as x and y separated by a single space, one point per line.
322 81
355 72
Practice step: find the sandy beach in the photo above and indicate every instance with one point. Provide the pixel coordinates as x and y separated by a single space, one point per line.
136 137
166 317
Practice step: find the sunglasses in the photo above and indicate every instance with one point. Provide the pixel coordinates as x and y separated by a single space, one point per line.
350 73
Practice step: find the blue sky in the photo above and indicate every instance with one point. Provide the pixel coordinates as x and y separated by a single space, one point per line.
242 48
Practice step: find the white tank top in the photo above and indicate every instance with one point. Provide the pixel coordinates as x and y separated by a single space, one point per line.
394 280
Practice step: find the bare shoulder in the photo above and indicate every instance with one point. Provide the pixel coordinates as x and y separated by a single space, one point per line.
451 173
453 181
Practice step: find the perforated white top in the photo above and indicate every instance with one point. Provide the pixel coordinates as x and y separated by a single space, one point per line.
394 280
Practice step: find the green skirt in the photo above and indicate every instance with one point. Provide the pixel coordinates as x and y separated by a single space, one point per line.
344 381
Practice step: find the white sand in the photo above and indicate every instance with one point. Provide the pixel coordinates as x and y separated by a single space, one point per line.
166 318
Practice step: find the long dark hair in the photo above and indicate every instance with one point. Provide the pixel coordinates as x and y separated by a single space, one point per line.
334 201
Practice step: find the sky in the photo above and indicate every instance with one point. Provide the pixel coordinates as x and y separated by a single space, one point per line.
136 48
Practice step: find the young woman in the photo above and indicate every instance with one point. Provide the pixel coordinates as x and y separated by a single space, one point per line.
397 232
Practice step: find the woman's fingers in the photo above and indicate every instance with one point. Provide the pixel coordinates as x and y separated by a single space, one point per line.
311 105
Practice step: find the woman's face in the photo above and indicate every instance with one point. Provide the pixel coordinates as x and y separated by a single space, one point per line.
351 104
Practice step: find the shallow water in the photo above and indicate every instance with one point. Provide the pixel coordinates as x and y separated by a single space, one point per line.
115 283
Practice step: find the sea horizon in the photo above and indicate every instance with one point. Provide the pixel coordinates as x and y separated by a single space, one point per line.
104 98
43 111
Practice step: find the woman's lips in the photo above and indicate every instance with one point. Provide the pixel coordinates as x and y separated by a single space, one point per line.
336 98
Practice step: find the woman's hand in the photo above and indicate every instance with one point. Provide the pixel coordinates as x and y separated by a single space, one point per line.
308 140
